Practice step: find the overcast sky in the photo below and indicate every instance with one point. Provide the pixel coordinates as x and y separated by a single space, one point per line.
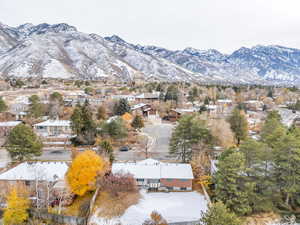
225 25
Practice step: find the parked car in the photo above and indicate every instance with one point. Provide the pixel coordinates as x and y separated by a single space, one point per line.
124 149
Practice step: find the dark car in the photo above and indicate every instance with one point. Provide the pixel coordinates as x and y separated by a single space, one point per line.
124 149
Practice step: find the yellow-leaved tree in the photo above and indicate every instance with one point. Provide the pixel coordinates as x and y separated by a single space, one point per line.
84 170
17 205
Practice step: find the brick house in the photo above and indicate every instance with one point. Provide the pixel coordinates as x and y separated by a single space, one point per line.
156 175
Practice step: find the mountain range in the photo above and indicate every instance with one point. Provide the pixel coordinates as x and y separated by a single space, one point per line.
61 51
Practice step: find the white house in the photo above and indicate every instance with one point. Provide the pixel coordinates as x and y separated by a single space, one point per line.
32 171
154 174
129 98
52 128
38 177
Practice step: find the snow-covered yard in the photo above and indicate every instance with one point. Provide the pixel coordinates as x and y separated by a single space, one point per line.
174 207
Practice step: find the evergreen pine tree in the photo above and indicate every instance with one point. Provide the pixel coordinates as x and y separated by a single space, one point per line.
116 129
23 143
272 130
239 125
3 106
36 108
121 107
218 214
232 187
76 120
106 149
172 93
137 122
83 125
189 131
287 168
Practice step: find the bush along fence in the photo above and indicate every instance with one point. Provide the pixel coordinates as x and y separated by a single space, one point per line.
57 219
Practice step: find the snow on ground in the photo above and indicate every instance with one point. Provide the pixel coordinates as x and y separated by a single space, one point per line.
173 206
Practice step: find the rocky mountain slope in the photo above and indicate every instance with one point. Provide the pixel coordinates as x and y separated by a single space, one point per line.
60 51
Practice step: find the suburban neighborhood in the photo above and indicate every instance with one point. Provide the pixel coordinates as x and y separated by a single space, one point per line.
135 112
157 146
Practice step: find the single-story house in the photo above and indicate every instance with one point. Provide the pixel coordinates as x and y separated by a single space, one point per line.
36 176
129 98
175 114
143 109
224 102
148 97
32 171
153 174
212 109
7 126
254 105
55 128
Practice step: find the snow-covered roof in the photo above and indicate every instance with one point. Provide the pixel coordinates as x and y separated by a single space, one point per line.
49 171
153 169
224 101
54 123
112 118
9 123
211 107
175 207
137 106
182 111
149 162
22 99
122 96
148 95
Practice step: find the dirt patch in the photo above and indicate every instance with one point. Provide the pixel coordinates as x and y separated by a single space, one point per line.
80 206
261 219
109 206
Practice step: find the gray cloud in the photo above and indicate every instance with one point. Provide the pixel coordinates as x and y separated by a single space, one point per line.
225 25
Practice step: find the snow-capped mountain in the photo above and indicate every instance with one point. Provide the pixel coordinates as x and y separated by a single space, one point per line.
260 64
60 51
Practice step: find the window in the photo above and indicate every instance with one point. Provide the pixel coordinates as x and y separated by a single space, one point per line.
140 180
183 189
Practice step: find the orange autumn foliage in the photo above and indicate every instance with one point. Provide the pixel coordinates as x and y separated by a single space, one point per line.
84 170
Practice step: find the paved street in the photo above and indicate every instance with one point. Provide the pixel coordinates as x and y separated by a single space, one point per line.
159 137
161 133
4 158
55 154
